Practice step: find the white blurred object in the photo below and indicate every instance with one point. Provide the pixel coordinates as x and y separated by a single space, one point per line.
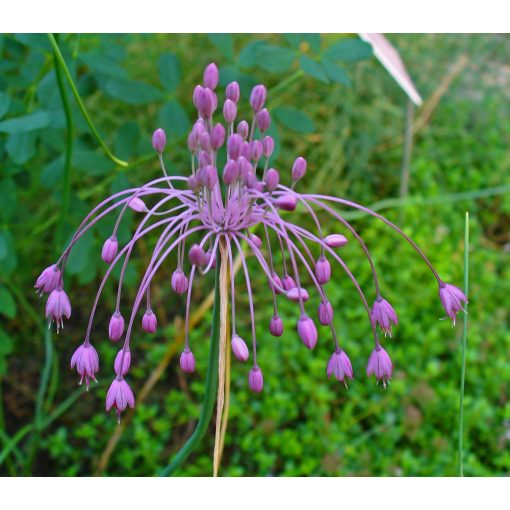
390 59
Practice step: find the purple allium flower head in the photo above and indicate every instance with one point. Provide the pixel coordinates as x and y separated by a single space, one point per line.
211 76
86 361
137 204
239 348
250 212
179 282
340 366
149 322
323 270
379 364
255 380
272 179
263 120
233 92
229 111
48 280
119 396
298 169
307 332
110 248
452 299
325 313
243 129
382 313
116 327
122 362
58 307
276 326
159 140
187 361
258 97
335 240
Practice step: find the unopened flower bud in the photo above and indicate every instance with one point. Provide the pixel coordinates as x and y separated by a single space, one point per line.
246 150
323 270
286 202
179 282
243 129
239 348
110 248
204 159
335 240
187 361
267 146
258 97
122 362
272 179
197 255
217 136
149 322
256 240
211 76
229 111
205 102
255 380
116 327
263 120
307 332
276 326
230 172
232 92
298 169
277 281
205 142
193 183
193 142
159 140
298 294
198 90
234 144
325 313
288 282
256 150
244 167
210 177
137 204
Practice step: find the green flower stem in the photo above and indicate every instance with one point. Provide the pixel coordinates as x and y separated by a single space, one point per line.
211 383
464 345
66 184
60 58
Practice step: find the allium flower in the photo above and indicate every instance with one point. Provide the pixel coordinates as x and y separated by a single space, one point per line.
86 361
245 208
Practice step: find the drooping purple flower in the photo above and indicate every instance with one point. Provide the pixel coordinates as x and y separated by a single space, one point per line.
122 362
58 307
149 322
197 255
288 282
110 248
297 294
340 366
276 326
379 364
116 326
382 313
187 361
323 270
307 332
86 361
239 348
119 396
179 282
255 380
325 313
452 299
48 279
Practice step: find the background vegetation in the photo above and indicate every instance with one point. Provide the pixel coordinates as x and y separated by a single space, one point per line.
333 103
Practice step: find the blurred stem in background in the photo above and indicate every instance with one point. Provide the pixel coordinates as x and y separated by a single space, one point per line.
464 344
81 105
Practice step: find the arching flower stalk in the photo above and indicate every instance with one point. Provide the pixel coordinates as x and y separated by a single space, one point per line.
242 204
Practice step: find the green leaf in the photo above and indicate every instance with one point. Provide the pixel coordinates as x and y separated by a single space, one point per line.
91 163
336 73
294 119
248 55
127 140
21 147
313 69
8 258
174 120
169 71
35 41
5 102
9 209
349 50
313 40
275 59
30 122
52 173
133 92
101 64
225 43
231 73
7 303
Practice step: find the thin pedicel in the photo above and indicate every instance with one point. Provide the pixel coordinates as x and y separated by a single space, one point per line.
201 212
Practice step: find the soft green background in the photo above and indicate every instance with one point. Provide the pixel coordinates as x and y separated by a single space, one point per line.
333 103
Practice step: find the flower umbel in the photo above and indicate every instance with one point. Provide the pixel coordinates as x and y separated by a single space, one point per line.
247 206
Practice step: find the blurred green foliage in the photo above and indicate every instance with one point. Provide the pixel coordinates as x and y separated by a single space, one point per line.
335 105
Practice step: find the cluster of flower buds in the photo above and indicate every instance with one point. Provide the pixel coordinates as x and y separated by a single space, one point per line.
242 203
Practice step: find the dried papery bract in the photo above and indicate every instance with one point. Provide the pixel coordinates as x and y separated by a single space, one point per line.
208 207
